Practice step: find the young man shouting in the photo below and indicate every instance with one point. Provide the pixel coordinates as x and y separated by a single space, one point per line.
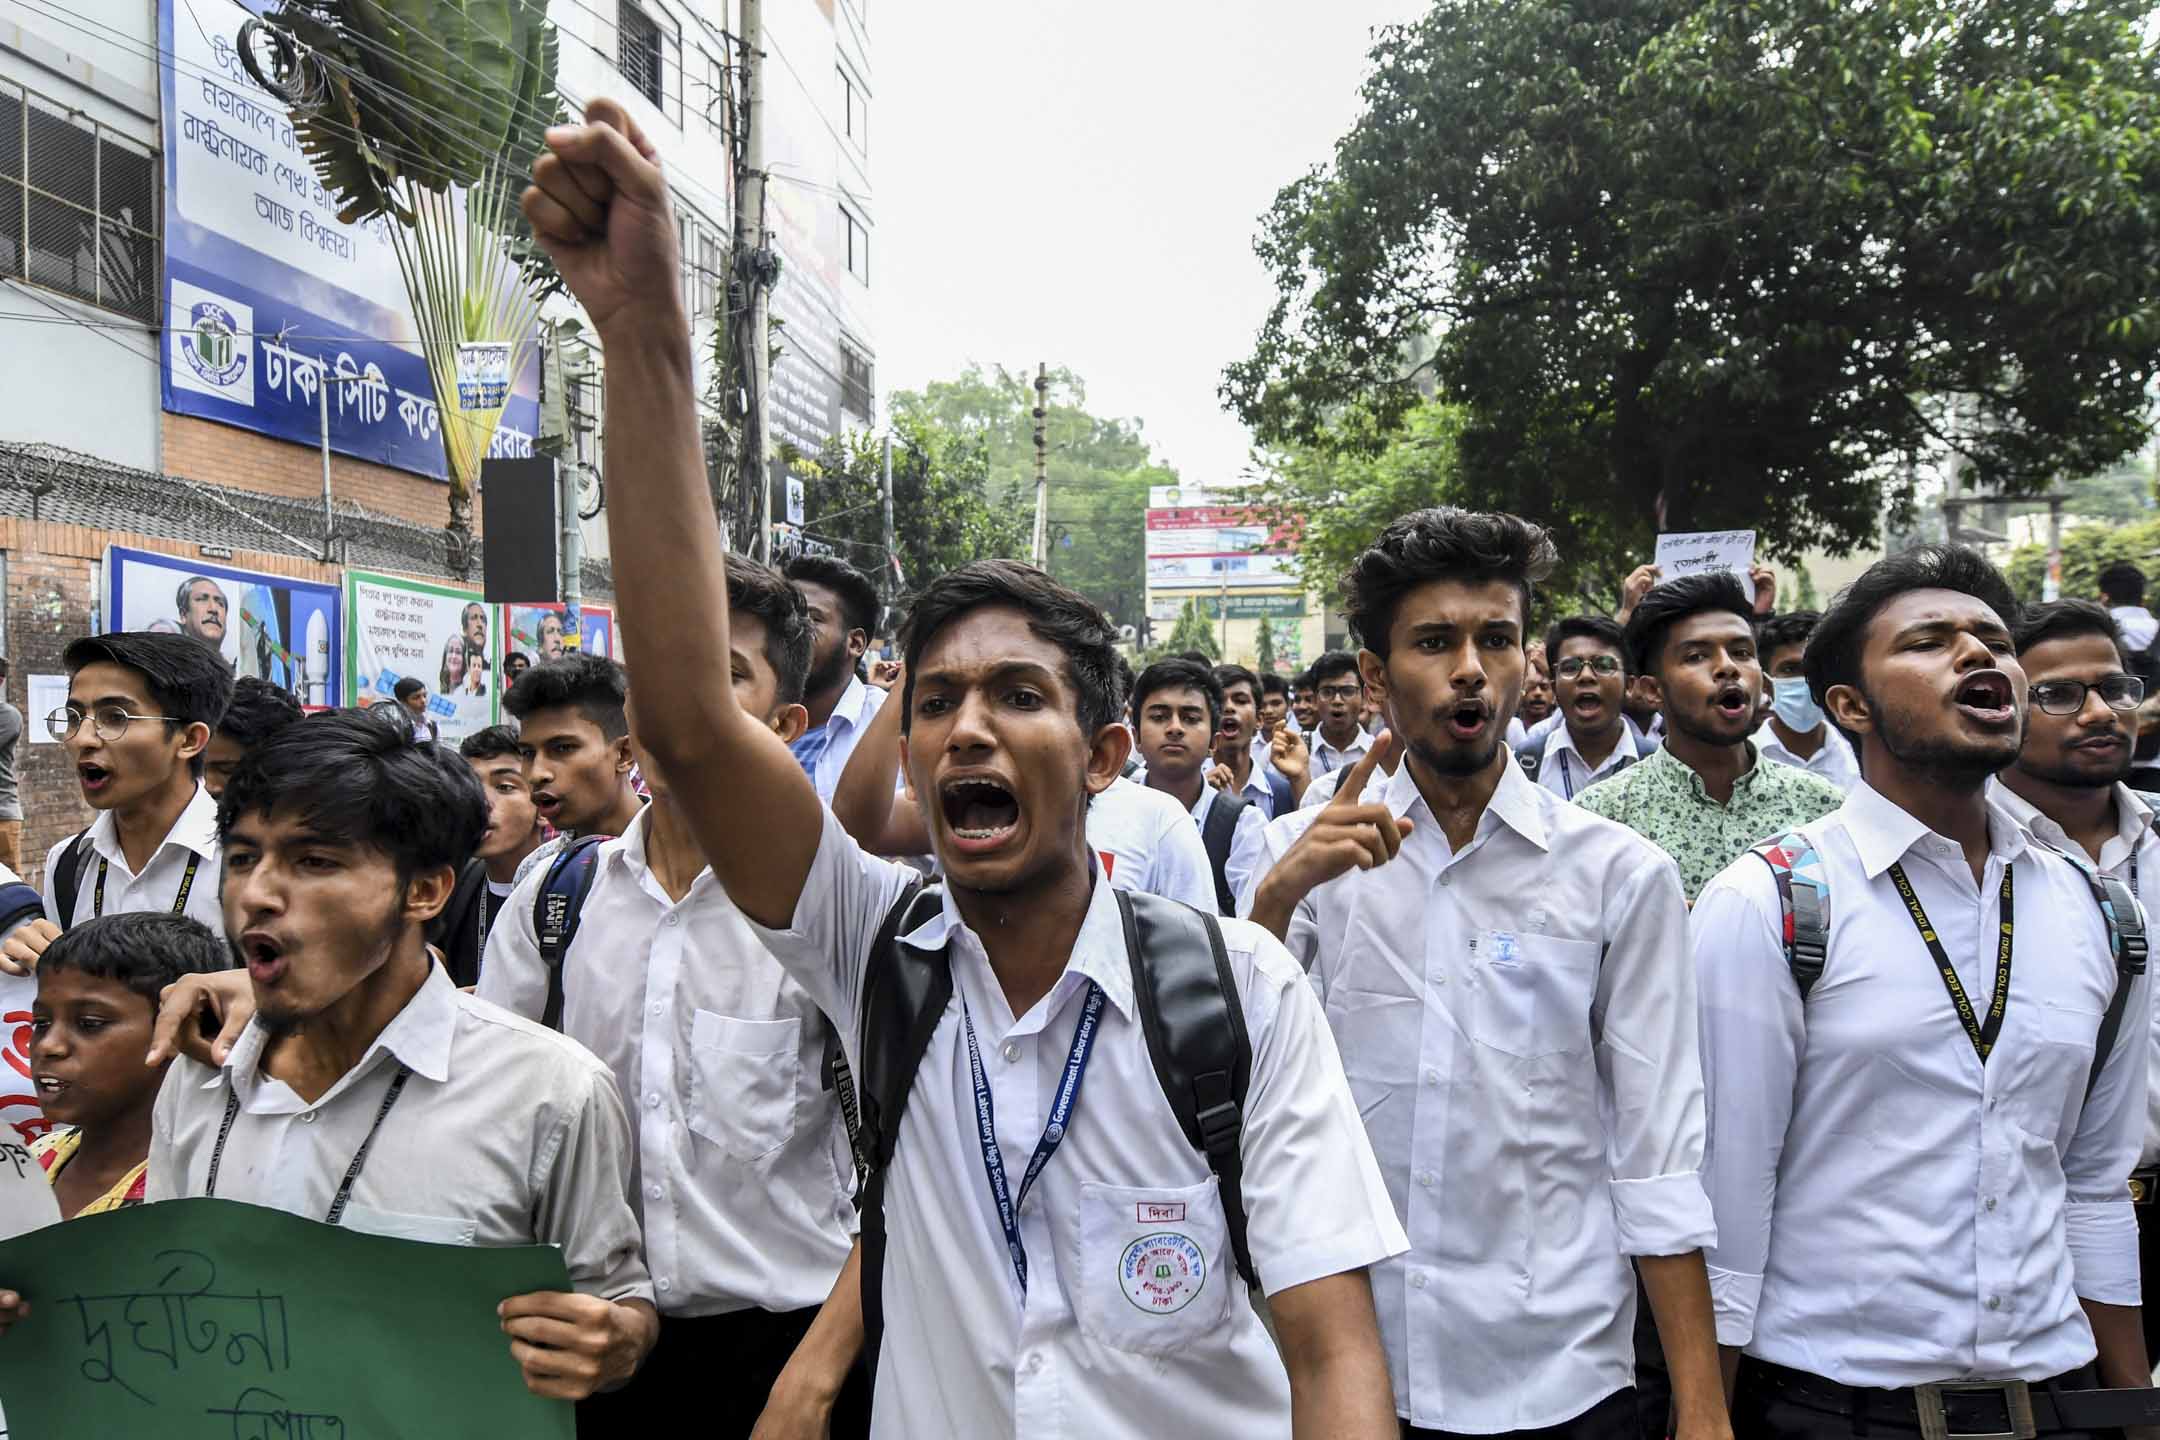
575 738
1001 1318
1176 706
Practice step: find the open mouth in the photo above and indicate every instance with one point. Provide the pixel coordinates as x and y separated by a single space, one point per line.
93 777
546 802
981 813
1986 696
265 957
51 1087
1588 703
1467 719
1731 702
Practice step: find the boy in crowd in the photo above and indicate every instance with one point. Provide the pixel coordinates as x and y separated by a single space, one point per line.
1275 706
575 739
513 832
1797 733
1304 703
1240 752
741 1152
1592 736
257 710
97 1000
1177 706
1339 700
999 1318
412 693
844 611
138 719
1502 972
1705 795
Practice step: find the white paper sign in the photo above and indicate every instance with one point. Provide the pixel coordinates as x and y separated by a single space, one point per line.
26 1196
1700 552
47 694
483 374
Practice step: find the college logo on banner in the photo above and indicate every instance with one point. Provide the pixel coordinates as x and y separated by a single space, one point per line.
214 349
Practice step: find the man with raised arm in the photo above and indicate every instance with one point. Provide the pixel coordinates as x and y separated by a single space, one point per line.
1000 1317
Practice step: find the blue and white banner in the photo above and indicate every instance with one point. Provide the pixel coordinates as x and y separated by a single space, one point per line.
269 299
273 627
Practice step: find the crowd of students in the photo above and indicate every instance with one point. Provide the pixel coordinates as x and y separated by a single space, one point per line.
1701 1021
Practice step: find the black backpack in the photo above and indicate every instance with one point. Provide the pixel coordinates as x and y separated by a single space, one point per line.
1216 833
1189 1011
67 880
556 909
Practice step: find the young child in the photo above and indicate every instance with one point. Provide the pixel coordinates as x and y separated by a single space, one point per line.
97 999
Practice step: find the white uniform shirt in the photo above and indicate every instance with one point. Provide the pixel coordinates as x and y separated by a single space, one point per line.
193 837
1146 841
1833 760
506 1134
1244 840
2138 626
1326 758
852 713
2131 855
964 1354
1567 774
743 1173
1890 1212
1518 1023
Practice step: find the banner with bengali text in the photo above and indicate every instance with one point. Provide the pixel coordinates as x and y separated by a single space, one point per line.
444 637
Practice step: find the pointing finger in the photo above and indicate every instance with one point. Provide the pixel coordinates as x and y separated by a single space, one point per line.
1353 784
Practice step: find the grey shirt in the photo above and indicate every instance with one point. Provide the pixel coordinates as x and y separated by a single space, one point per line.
11 729
505 1134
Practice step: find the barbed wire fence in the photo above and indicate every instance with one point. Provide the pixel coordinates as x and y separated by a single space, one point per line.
68 487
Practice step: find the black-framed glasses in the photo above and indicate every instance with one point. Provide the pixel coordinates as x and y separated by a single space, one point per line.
1602 666
2067 697
110 722
1340 692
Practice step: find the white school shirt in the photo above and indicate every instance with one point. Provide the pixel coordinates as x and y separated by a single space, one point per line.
1077 1358
2138 626
1567 774
743 1170
1890 1213
1146 841
2134 849
1833 760
1244 841
852 713
1518 1023
1326 758
193 837
505 1134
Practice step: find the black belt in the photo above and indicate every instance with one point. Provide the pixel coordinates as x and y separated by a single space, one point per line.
1974 1409
2145 1185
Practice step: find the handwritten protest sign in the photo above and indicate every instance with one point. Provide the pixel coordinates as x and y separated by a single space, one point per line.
209 1318
26 1197
1700 552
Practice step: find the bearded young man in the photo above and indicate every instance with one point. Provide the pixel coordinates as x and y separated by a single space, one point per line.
1919 1180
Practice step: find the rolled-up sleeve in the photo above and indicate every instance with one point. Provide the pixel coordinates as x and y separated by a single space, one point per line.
1752 1033
2098 1223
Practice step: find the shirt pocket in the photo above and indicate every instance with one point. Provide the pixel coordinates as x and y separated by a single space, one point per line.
391 1224
1534 992
743 1080
1153 1266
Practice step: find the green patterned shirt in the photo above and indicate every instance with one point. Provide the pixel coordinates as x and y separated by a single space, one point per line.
1664 801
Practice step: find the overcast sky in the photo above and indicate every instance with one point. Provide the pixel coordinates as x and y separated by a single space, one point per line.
1079 181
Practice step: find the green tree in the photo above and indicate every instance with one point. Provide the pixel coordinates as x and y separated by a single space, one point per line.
1705 264
1264 651
2087 550
1193 631
1099 472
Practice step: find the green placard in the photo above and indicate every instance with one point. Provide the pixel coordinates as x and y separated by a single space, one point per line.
213 1319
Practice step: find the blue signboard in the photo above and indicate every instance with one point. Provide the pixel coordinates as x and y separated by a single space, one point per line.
273 627
270 301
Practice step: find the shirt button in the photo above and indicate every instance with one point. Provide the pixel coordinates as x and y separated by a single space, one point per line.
1447 877
307 1117
1994 1302
1432 1076
653 1190
673 918
1417 1281
1991 1202
663 1287
658 1007
1034 1363
653 1101
1424 1177
1012 1051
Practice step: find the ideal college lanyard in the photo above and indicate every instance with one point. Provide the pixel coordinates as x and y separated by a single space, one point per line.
1061 1108
352 1171
179 904
1982 1034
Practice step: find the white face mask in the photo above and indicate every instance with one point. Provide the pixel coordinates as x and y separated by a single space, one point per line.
1792 703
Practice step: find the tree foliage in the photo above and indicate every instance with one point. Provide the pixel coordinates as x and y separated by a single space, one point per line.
1193 631
1705 264
2087 550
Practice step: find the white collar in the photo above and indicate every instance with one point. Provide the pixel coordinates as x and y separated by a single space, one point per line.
2133 818
419 1035
854 706
195 828
1515 801
1098 951
1882 832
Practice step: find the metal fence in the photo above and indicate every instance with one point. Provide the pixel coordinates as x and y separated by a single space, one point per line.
47 482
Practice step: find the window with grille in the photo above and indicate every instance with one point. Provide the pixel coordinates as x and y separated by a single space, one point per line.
854 114
78 207
858 245
858 387
715 97
708 276
641 58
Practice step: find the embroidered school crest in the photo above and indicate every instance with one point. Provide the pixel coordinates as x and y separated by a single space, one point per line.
1162 1273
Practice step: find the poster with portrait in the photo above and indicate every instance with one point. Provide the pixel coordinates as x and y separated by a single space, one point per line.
443 637
272 627
536 631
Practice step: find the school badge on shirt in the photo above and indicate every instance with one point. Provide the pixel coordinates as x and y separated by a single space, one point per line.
1163 1272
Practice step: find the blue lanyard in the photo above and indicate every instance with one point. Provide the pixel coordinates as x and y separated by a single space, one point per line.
1061 1108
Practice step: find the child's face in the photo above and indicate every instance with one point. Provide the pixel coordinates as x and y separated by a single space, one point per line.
88 1037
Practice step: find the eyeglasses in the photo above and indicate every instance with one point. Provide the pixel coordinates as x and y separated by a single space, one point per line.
2067 697
1603 666
109 721
1340 692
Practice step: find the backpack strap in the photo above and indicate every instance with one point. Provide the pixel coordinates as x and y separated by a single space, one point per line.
1804 900
1279 790
1195 1028
2126 942
556 908
67 880
19 904
905 992
1216 833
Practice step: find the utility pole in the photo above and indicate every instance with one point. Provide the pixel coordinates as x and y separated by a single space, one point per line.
750 260
1042 468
